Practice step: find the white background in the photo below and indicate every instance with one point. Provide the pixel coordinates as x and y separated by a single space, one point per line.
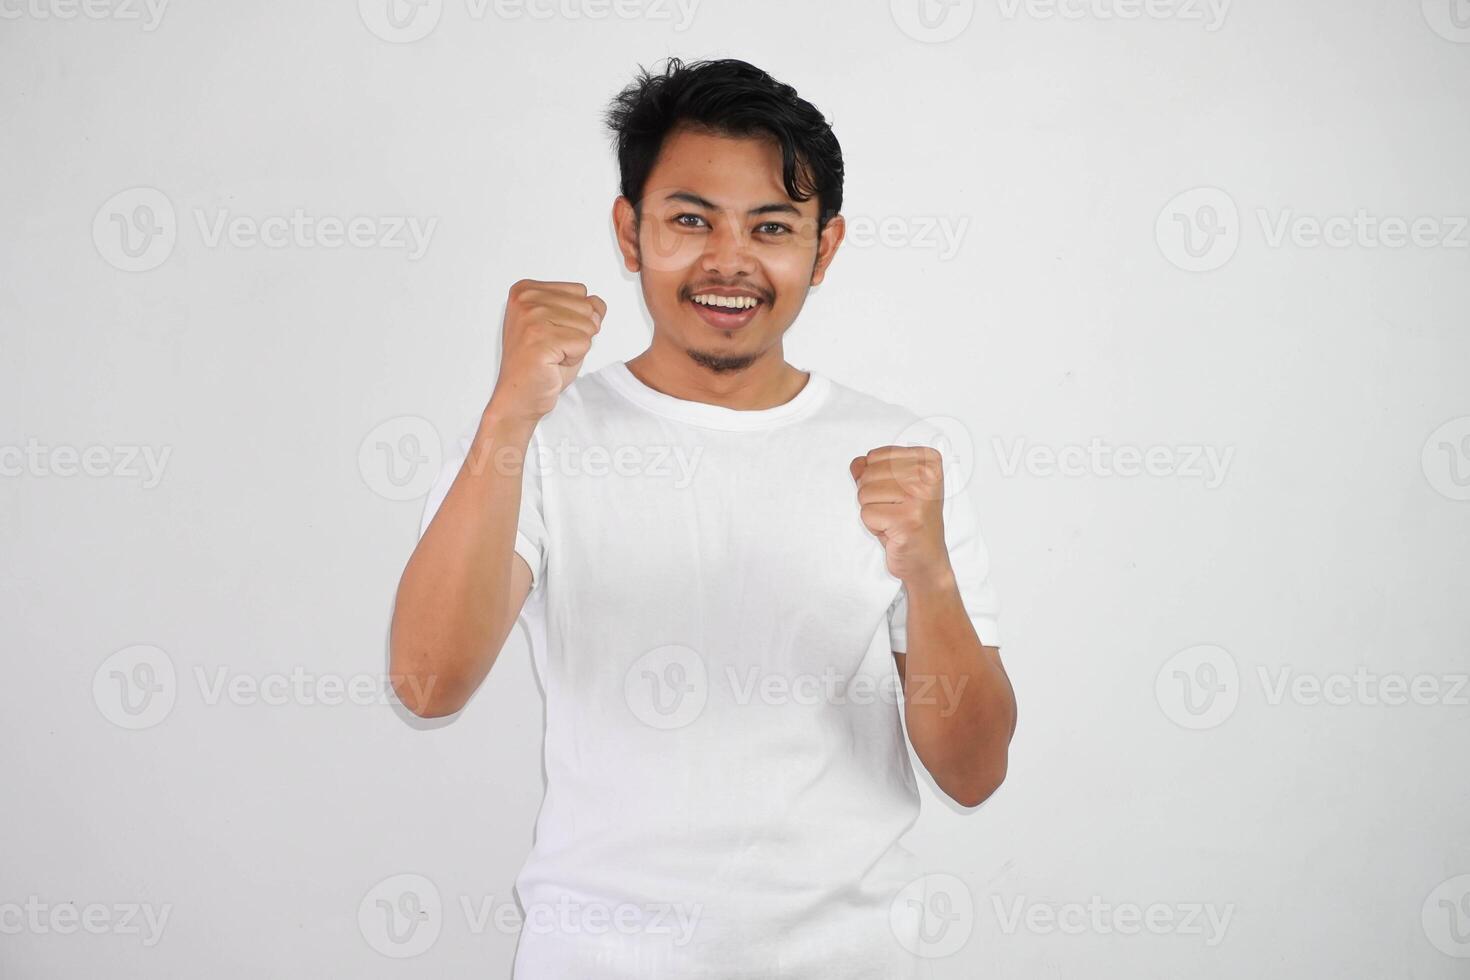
285 384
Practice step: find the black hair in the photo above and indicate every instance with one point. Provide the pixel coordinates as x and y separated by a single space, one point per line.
731 98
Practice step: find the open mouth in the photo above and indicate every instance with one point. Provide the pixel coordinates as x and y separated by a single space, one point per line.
726 312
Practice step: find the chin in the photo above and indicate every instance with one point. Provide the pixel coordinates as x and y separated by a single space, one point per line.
721 362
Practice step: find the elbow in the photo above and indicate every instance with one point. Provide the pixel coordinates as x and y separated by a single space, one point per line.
422 690
976 791
419 695
416 669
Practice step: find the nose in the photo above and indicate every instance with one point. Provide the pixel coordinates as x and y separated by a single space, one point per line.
727 249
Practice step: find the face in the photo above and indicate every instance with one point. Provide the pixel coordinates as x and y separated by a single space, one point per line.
724 256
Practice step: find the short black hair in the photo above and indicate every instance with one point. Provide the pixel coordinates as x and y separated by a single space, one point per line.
731 98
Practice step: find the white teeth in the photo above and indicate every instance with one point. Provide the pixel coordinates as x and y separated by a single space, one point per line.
729 302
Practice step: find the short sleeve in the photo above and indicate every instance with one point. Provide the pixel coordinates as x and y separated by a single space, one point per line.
531 535
971 561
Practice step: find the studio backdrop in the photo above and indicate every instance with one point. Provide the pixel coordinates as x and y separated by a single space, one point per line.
1183 282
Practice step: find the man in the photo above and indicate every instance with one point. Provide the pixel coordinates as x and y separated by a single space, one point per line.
705 542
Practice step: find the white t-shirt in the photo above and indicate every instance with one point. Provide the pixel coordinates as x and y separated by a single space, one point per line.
727 773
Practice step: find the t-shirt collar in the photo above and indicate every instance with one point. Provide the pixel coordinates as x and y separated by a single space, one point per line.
626 383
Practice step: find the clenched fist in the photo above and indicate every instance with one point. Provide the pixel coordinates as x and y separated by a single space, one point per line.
548 330
901 499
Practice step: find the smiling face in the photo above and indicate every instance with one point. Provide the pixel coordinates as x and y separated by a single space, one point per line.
724 255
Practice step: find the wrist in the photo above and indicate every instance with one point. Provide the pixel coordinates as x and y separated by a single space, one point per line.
500 444
938 580
506 423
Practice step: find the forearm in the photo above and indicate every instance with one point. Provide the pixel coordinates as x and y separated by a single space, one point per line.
959 703
455 606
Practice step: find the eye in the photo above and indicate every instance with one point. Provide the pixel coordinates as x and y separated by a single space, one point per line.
774 228
679 220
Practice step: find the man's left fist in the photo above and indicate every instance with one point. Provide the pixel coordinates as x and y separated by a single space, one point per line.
901 498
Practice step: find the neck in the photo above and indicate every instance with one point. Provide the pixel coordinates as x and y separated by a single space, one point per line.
766 382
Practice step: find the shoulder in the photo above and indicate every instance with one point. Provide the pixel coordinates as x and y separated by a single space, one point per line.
590 400
878 415
589 390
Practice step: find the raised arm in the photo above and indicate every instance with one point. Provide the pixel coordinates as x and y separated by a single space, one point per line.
464 585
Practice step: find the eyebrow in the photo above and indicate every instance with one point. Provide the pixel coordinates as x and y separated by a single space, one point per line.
697 201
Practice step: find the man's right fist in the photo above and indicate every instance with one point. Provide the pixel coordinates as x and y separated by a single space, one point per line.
549 328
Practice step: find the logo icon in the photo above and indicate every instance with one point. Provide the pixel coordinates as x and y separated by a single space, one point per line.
136 687
401 21
401 916
1199 230
1446 917
933 916
1446 459
136 229
1198 687
1450 19
667 687
956 447
932 21
400 459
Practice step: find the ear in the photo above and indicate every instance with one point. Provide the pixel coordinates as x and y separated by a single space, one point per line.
625 224
827 243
